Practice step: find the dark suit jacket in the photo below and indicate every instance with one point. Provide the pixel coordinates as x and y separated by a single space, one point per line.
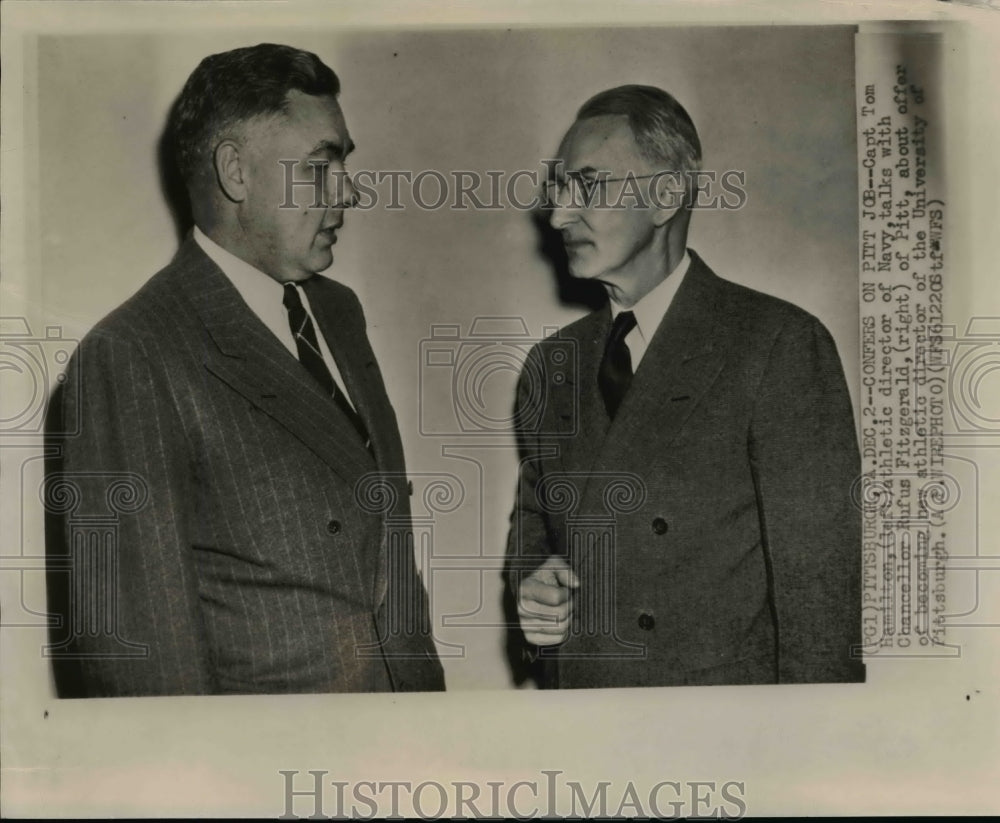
247 544
712 522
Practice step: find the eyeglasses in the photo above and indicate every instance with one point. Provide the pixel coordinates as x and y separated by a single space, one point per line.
582 189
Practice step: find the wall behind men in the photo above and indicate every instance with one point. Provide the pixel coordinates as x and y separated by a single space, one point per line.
777 103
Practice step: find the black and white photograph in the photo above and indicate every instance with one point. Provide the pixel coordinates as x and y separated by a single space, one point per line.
455 414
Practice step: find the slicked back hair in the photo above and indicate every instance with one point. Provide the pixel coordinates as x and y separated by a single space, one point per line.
660 125
230 88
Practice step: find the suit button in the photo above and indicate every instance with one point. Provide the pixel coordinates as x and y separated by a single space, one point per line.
660 526
333 527
646 622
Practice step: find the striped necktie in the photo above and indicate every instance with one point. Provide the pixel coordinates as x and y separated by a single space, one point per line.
311 357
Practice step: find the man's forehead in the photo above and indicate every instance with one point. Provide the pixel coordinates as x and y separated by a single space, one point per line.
602 143
318 119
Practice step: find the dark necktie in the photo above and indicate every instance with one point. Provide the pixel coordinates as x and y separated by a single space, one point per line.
311 357
615 374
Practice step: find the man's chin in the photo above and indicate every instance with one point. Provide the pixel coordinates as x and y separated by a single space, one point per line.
320 260
581 262
581 271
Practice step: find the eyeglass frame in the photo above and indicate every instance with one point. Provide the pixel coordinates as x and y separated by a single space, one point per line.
577 178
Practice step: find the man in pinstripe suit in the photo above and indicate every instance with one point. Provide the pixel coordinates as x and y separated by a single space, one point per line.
266 544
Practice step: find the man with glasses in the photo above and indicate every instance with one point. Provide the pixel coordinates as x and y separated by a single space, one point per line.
686 517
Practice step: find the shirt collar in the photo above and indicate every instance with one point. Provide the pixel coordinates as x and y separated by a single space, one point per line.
651 308
259 290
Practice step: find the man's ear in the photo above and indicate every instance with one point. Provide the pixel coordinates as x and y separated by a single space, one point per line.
229 171
668 196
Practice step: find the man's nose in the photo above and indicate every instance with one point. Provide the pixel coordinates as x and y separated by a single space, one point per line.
344 195
561 215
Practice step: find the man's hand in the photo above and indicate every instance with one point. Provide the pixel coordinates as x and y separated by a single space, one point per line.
545 602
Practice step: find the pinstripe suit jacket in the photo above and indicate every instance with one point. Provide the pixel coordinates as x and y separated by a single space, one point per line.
711 522
253 547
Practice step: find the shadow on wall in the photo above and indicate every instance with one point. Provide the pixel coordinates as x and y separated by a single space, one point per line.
572 292
171 183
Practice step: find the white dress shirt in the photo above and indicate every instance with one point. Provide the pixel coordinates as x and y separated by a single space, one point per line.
650 311
264 295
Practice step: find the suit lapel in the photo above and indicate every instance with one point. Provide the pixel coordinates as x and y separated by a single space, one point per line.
342 324
580 417
346 339
252 361
683 359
